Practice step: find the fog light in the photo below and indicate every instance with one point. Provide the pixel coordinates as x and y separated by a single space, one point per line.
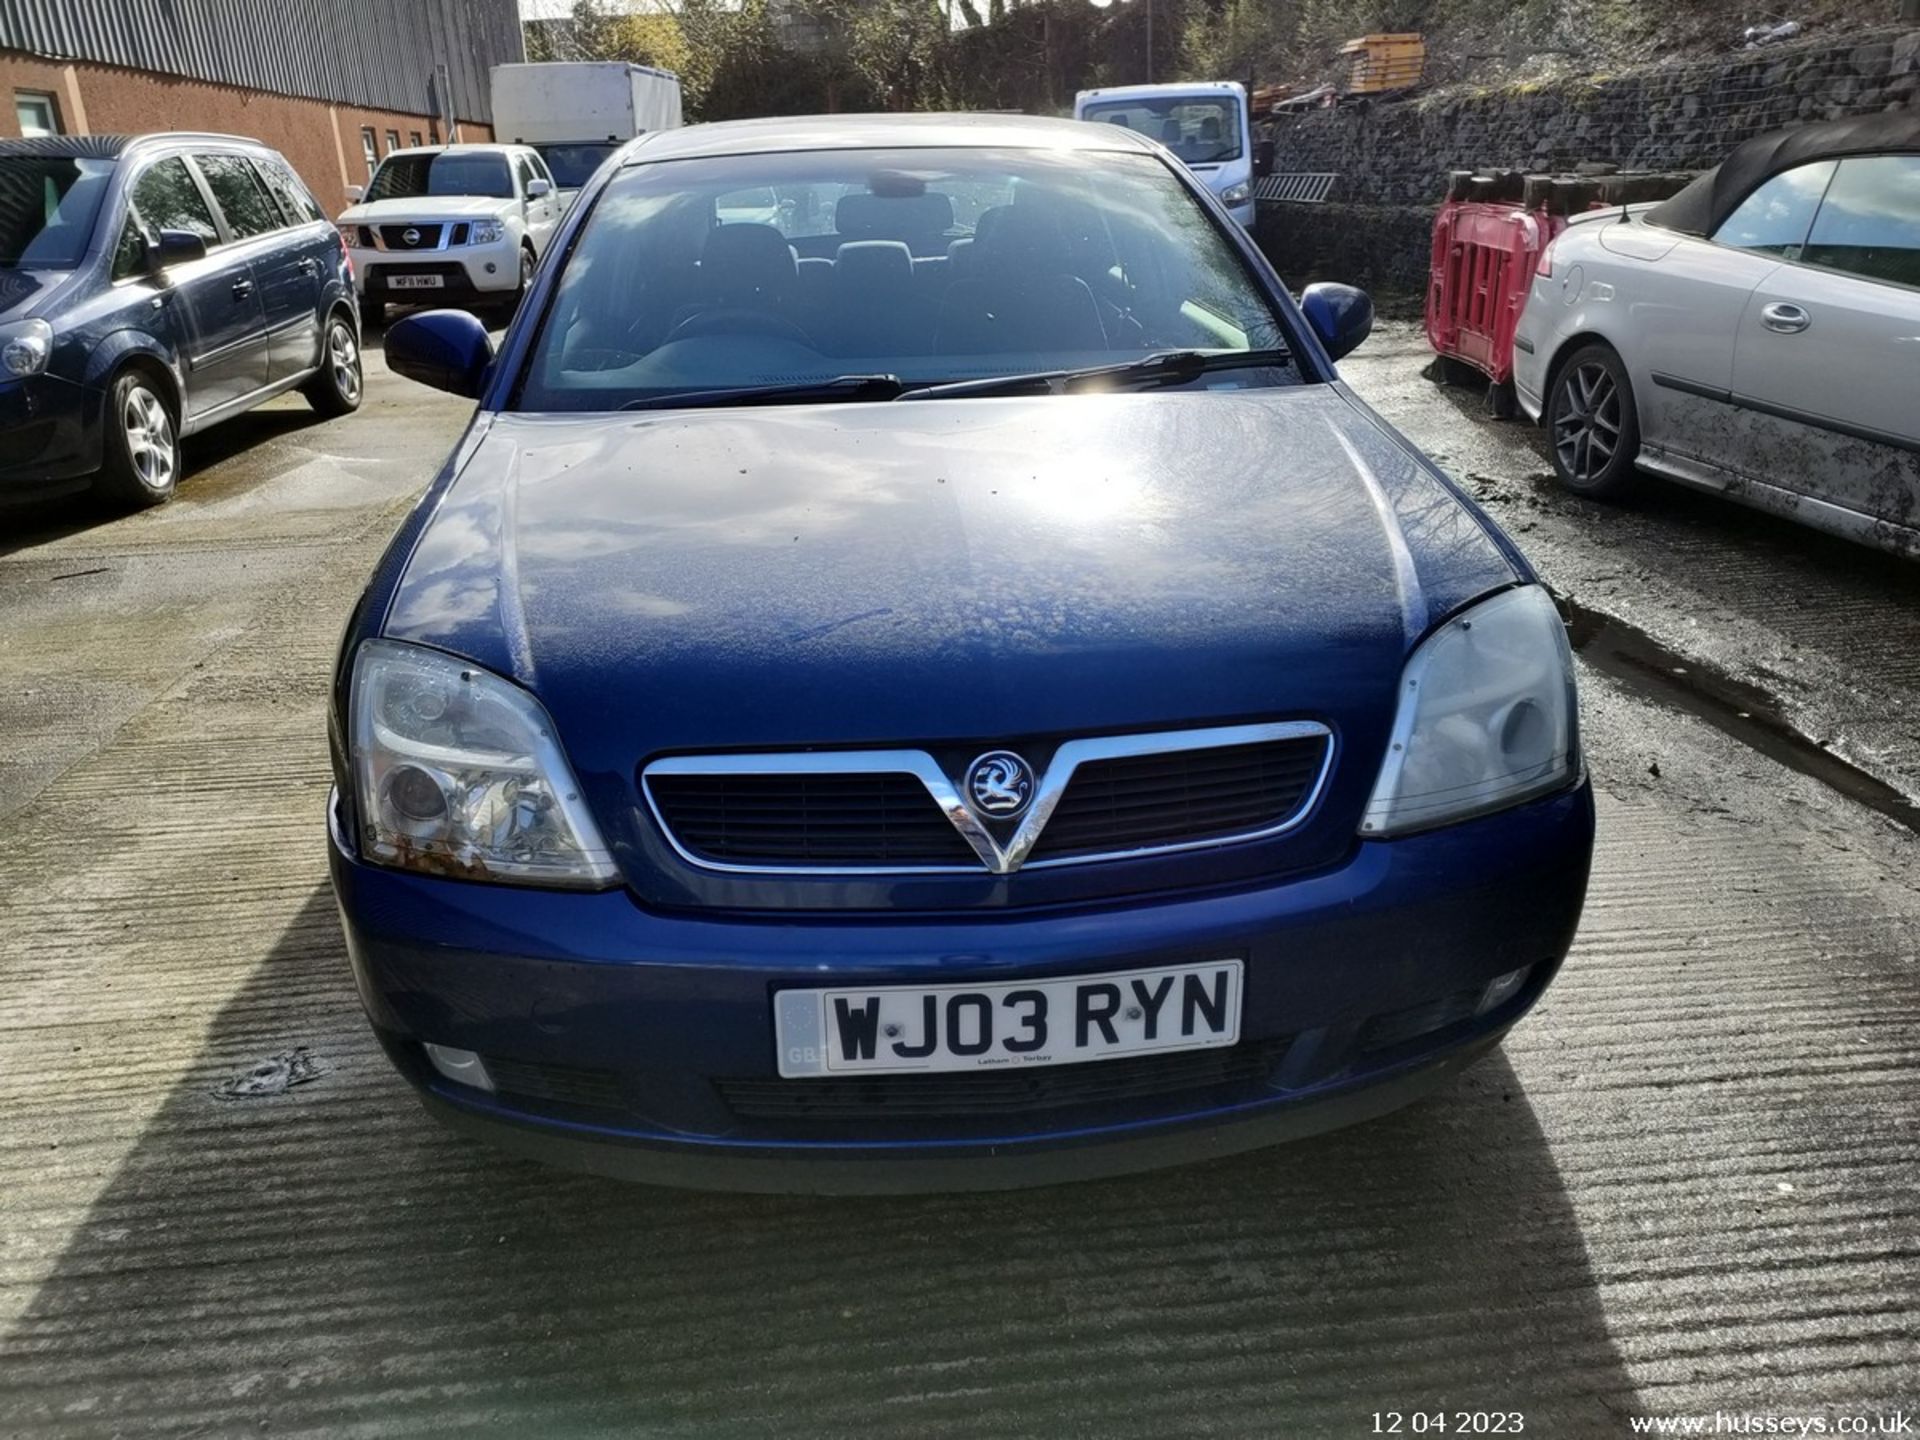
462 1066
1501 989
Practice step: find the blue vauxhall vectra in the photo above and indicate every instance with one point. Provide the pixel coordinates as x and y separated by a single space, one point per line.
930 681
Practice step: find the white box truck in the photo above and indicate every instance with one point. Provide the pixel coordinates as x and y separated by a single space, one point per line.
577 113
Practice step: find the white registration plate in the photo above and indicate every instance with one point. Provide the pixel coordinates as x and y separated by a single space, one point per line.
415 282
861 1030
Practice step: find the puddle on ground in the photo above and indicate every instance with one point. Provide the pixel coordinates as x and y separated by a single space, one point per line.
1733 707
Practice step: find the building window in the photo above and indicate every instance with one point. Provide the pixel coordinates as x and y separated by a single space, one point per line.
37 114
393 141
371 148
413 138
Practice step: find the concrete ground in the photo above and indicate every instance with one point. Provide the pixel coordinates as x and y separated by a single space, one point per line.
1689 1183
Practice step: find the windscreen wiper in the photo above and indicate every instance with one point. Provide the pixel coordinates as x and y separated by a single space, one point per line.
1169 367
840 387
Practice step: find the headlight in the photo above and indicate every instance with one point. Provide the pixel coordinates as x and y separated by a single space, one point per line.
25 347
458 773
1237 194
485 232
1486 719
350 236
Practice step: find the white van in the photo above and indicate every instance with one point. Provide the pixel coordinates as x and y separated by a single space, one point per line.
1203 122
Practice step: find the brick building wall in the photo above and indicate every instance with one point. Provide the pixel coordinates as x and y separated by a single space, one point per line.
322 141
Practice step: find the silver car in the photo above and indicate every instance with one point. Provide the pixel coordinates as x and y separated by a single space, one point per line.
1758 335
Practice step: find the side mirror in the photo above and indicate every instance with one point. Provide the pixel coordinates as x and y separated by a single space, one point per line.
1340 315
1262 158
177 247
539 189
356 193
447 349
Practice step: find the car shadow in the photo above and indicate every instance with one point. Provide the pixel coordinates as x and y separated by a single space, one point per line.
31 523
328 1258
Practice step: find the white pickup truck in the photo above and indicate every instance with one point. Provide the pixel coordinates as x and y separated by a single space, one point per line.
450 225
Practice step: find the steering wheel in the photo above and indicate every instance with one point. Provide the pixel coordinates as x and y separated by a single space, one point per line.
737 320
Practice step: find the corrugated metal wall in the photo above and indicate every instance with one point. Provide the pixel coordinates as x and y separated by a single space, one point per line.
379 54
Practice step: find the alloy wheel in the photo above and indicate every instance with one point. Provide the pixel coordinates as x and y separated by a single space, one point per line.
149 434
343 356
1586 431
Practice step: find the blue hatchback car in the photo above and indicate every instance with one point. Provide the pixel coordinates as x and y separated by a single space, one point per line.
937 684
150 287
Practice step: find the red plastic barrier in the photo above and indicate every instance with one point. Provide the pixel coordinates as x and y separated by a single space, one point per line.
1484 255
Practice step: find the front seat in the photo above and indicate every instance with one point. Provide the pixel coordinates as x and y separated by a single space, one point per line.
1022 294
747 272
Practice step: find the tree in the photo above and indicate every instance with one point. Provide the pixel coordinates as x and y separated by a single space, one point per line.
897 47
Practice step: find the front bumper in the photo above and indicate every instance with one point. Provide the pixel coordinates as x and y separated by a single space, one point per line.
466 272
49 437
642 1043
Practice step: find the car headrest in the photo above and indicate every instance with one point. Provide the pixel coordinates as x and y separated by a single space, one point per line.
892 217
988 222
1210 128
742 263
880 265
1169 132
1026 239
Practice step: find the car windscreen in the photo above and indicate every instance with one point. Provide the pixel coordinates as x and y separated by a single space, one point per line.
1201 130
929 265
403 177
48 205
573 165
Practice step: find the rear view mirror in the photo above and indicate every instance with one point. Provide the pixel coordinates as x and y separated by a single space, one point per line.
178 247
447 349
1341 316
538 189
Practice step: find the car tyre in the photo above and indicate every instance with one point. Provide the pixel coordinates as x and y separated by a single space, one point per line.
511 305
1592 424
336 387
141 461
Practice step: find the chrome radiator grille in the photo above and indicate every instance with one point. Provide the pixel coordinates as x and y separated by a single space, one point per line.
829 812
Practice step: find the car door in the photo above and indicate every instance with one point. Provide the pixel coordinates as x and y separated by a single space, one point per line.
214 301
542 213
1828 361
314 243
1686 307
288 280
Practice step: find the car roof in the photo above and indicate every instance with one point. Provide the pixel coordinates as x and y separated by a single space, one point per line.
882 132
112 147
477 148
1162 92
1702 206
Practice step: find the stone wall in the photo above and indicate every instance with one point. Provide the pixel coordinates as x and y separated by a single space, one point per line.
1671 117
